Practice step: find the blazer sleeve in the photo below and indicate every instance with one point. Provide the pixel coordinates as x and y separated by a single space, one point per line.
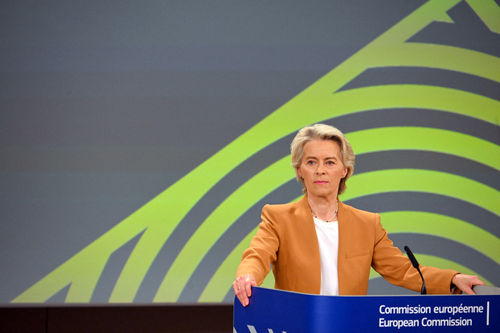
397 269
262 252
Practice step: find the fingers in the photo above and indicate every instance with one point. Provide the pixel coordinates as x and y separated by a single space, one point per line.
468 290
248 285
473 281
241 291
466 282
238 291
242 287
477 281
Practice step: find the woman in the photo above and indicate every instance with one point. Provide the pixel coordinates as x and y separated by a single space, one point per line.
319 245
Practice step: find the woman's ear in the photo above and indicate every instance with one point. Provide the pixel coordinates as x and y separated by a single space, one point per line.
345 172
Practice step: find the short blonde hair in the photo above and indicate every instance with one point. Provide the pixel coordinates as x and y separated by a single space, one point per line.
322 132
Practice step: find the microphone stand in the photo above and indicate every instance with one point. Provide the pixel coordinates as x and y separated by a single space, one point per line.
415 264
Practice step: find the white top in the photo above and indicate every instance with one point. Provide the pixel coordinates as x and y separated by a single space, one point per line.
328 239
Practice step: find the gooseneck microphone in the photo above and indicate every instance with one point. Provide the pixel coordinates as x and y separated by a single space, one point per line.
415 264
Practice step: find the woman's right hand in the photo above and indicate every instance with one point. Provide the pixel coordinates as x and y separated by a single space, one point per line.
243 288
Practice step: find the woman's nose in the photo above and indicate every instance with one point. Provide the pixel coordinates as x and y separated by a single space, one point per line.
320 169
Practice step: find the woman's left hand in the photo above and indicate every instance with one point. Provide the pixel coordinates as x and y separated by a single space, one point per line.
466 282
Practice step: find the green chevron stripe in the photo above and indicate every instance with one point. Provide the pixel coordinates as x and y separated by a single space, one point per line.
217 223
428 260
428 139
444 226
437 56
431 11
424 181
224 276
238 202
81 272
488 11
416 96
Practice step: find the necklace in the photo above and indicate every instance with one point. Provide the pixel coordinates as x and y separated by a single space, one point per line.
334 217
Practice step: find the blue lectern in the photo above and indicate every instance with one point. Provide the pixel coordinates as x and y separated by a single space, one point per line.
277 311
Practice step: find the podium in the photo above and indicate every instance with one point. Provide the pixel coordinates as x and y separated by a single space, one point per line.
277 311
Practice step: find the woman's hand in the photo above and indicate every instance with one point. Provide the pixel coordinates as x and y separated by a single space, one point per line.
243 288
465 282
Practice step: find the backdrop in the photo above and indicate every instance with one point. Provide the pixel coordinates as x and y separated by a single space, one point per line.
140 140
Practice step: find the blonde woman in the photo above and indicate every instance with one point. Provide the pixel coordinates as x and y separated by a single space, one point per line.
319 245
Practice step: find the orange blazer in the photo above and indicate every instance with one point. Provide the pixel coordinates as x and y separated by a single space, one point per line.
287 240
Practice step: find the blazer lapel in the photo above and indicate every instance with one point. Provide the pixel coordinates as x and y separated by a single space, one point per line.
343 243
310 246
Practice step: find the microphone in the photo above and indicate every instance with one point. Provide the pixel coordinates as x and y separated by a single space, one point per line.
415 264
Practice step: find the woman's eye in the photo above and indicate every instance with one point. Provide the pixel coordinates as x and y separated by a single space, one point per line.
310 162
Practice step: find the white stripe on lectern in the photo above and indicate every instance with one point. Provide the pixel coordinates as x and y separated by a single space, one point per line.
488 313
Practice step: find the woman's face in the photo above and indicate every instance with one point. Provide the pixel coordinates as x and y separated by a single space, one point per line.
321 168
